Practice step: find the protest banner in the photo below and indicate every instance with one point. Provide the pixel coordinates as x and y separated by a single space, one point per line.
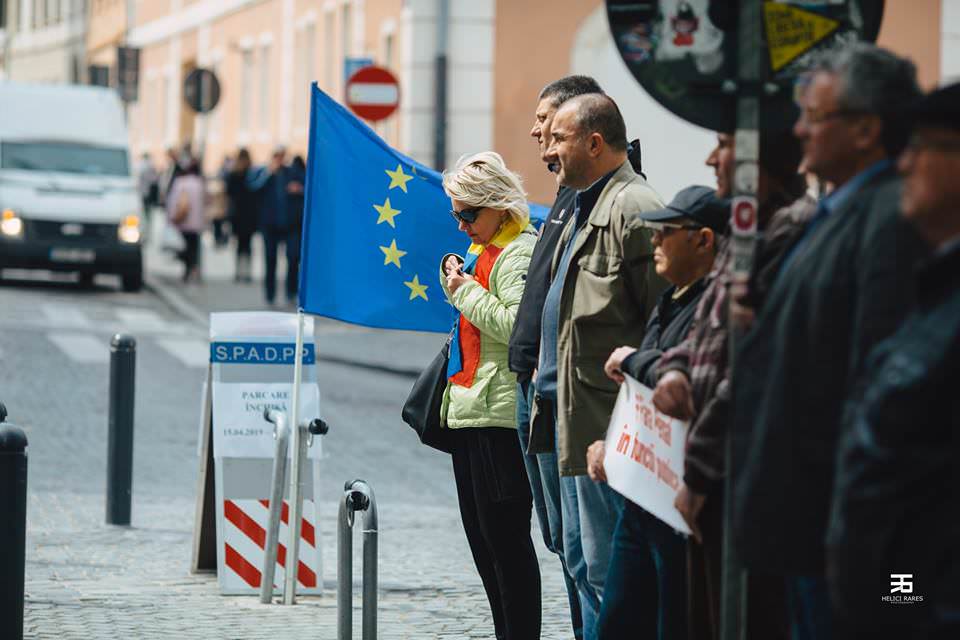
644 453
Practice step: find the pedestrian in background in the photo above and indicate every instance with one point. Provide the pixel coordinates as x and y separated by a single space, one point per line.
842 287
217 209
276 220
186 211
148 187
244 209
479 403
603 289
542 470
896 508
295 202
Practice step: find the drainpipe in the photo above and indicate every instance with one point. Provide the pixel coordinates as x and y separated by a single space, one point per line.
440 97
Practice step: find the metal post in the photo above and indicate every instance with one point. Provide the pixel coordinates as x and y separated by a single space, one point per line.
281 433
750 68
123 358
296 482
13 526
358 496
440 88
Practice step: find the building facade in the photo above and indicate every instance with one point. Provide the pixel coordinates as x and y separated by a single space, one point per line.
43 40
499 54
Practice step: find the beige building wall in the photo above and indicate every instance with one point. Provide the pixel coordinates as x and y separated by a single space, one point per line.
45 41
501 53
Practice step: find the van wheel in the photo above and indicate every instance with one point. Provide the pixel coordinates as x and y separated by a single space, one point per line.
133 282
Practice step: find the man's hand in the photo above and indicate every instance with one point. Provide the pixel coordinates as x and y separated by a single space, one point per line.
690 504
595 461
613 367
294 187
457 279
674 396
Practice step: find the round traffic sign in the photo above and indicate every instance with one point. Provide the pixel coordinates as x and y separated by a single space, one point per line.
744 215
373 93
684 52
201 90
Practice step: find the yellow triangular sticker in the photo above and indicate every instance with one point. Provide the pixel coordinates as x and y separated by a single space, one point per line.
791 32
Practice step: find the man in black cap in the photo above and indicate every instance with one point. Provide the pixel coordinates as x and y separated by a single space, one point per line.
892 554
648 556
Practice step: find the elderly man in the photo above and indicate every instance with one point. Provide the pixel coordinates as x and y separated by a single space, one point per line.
603 289
896 508
542 468
844 286
648 556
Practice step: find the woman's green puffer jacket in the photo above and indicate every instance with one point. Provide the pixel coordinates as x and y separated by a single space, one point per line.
492 399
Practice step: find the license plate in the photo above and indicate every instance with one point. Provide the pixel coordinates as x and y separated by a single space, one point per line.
73 255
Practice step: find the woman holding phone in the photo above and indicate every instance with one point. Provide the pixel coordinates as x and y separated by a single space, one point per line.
479 404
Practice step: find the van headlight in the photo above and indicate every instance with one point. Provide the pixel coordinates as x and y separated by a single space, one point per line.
10 225
129 230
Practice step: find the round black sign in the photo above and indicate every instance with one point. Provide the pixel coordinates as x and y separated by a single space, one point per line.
684 52
201 90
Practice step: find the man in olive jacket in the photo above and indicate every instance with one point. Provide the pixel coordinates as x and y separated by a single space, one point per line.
603 289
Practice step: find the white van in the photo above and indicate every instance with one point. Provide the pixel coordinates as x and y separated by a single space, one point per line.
68 198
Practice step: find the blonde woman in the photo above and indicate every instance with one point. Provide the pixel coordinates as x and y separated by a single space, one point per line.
479 404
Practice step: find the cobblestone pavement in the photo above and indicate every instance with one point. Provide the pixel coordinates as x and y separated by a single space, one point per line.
85 579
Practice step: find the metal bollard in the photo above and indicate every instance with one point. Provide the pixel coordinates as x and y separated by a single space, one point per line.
281 433
13 526
358 496
123 360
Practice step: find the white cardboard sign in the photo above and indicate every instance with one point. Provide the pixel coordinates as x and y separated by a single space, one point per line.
644 453
252 358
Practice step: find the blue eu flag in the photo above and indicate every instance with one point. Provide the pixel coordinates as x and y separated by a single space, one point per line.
375 228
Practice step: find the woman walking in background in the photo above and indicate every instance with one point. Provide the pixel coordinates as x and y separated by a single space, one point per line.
479 404
185 210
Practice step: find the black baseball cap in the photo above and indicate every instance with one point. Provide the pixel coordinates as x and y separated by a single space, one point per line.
939 108
698 204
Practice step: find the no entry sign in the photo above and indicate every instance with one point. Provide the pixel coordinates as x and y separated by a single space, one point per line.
373 93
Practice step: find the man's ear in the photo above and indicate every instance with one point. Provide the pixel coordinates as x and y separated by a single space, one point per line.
706 238
869 132
596 144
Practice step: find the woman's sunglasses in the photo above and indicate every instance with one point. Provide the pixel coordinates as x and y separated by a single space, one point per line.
466 216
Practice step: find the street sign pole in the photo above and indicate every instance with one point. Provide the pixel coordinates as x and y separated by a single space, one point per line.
750 68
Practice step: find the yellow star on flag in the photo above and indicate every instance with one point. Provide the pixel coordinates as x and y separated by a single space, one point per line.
387 213
392 254
398 178
417 289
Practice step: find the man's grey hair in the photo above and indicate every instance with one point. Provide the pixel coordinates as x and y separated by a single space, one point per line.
559 91
875 80
598 113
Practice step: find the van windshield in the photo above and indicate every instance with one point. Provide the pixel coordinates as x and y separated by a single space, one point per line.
64 157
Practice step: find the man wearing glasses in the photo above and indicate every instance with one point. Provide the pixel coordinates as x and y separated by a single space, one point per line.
896 508
844 285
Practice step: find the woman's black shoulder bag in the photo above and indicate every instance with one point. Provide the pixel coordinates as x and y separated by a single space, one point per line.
422 408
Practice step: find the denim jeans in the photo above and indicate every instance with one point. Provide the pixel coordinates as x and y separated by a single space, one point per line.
544 475
589 512
646 591
808 607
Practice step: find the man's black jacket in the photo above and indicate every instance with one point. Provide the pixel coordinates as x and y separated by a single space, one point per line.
849 287
525 340
667 327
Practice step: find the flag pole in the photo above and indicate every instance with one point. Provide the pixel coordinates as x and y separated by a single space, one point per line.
296 485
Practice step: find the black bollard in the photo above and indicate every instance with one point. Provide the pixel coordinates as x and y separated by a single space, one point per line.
13 527
123 360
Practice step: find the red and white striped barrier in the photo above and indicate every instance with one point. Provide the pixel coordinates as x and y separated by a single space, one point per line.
244 537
